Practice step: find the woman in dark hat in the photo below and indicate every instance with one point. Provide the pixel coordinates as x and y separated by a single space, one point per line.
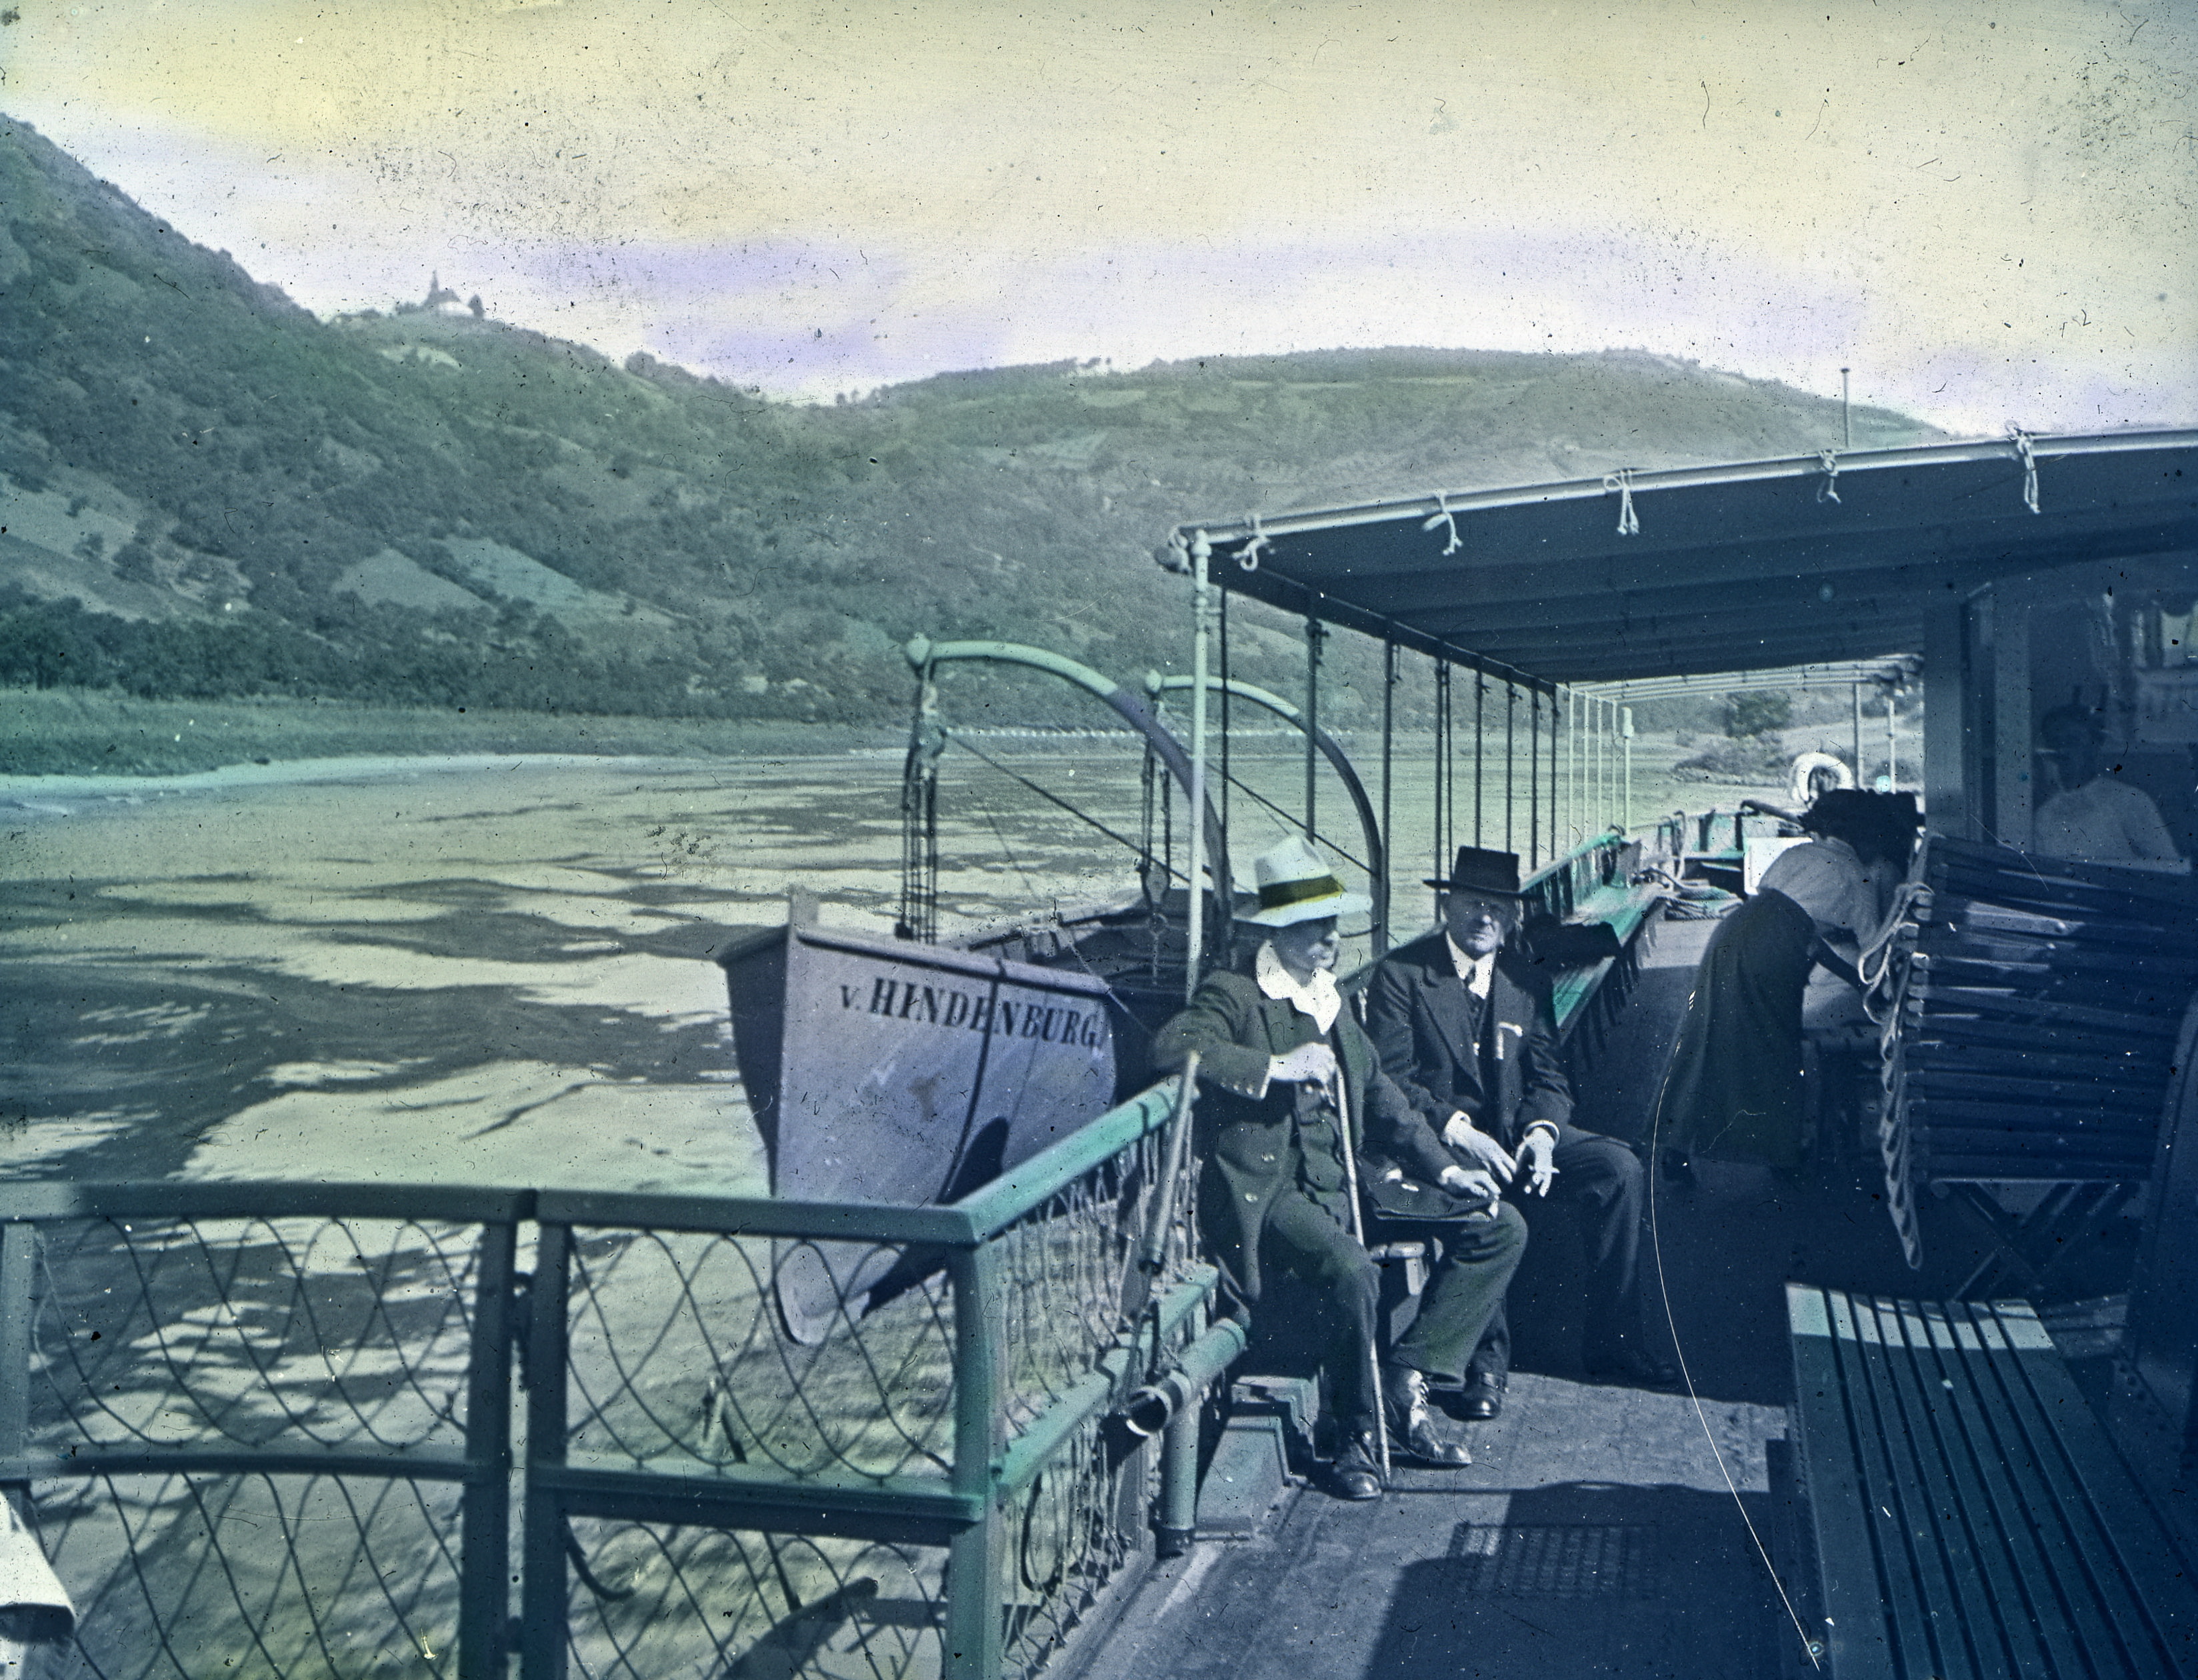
1734 1087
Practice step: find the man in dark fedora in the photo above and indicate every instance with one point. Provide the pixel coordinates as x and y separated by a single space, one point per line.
1465 1026
1295 1113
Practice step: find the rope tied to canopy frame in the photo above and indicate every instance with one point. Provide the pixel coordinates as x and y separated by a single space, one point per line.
1247 557
1829 461
1445 516
1629 522
2026 453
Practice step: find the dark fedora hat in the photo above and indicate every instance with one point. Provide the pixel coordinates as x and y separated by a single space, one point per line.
1481 871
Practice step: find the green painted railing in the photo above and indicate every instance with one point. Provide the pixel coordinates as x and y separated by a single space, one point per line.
922 1490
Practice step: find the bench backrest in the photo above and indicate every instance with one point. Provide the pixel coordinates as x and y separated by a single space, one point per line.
2161 1342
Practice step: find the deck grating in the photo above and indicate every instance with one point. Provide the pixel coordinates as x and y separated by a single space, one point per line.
1556 1560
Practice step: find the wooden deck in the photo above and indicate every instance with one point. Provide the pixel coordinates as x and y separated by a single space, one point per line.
1601 1530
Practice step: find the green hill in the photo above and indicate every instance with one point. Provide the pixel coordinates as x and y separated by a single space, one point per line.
209 492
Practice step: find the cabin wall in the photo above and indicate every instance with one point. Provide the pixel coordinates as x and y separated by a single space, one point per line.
2112 636
1951 732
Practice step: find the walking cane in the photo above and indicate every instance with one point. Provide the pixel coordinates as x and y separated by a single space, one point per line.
1152 1252
1358 1231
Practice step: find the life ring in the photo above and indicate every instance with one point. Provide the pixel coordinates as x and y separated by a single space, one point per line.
1808 769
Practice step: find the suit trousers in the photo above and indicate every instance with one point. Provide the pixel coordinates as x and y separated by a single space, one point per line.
1465 1293
1304 1239
1603 1180
1464 1296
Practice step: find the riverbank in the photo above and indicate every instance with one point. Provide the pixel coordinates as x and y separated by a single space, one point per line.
88 732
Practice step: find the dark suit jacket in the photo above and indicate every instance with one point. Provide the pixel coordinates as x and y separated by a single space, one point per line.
1419 1016
1245 1137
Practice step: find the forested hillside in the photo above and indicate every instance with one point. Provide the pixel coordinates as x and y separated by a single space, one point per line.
208 491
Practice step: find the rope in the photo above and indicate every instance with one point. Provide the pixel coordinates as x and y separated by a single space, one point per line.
1885 994
1810 1648
2028 457
1247 557
1048 794
1289 821
1629 522
1828 459
1443 516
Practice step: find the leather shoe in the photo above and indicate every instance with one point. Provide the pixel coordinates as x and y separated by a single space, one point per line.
1412 1433
1358 1470
1481 1400
1633 1368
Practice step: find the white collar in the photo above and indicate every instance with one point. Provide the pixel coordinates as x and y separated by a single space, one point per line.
1475 971
1318 997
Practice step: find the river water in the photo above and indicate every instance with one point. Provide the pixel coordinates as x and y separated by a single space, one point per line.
497 970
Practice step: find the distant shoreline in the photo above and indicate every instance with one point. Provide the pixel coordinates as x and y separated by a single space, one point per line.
57 733
47 733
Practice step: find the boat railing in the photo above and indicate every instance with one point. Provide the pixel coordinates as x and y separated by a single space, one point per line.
281 1419
1567 886
1723 834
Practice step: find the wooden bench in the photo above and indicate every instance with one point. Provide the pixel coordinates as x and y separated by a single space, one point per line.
1969 1516
1587 997
1625 910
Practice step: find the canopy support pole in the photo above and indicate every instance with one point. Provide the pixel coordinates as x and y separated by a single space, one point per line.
1511 762
1443 779
1201 552
1535 784
1388 748
1227 781
1480 752
1892 747
1314 631
1859 781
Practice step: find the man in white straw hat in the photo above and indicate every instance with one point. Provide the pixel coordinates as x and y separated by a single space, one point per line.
1288 1077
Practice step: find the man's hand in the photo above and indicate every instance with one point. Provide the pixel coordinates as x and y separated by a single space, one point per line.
1538 1154
1308 1064
1468 1182
1469 1140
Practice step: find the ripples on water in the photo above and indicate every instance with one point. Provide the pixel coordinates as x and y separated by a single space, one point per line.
486 969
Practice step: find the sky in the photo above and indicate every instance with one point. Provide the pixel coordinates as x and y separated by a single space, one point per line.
1983 209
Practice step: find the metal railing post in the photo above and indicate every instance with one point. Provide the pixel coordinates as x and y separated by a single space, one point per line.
973 1632
544 1592
484 1521
1178 1518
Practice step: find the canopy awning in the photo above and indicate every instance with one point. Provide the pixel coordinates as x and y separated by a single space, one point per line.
1739 567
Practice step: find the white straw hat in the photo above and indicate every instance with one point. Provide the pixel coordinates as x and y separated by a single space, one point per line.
1296 885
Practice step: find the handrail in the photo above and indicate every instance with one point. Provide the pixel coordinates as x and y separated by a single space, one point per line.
1614 834
991 1208
44 1199
976 1217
